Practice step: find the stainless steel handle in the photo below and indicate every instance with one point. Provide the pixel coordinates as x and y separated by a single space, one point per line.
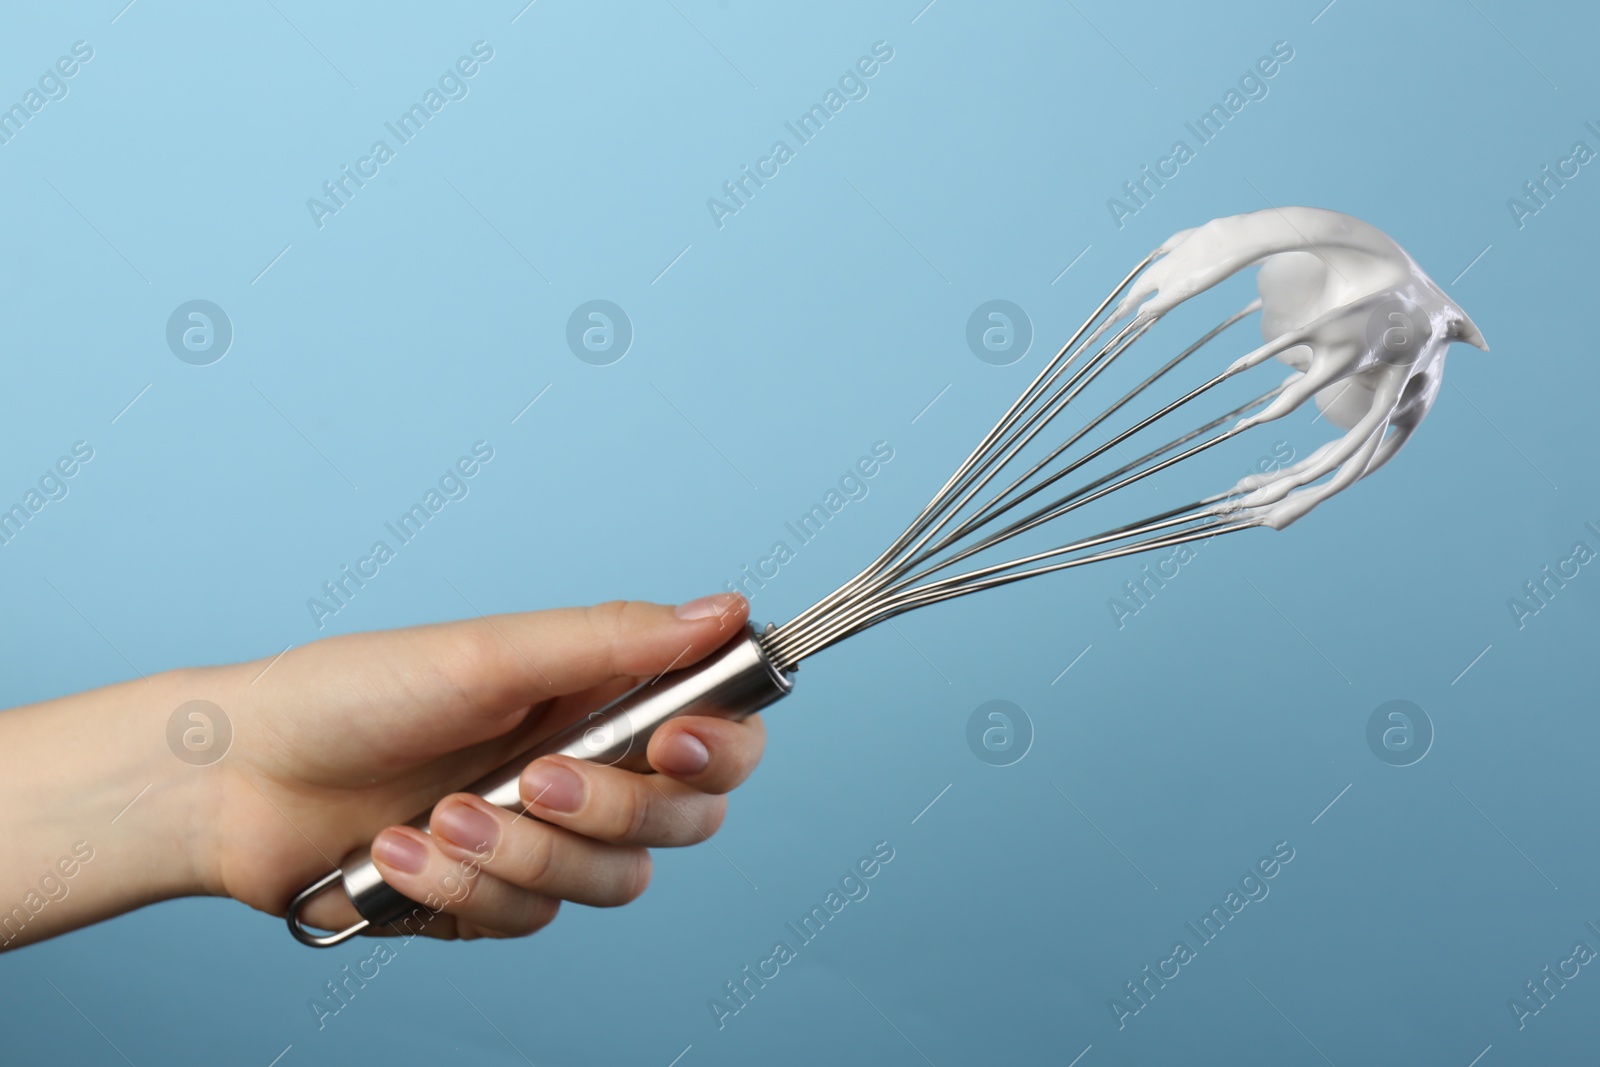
731 683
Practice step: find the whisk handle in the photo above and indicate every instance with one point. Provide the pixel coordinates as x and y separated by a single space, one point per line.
736 681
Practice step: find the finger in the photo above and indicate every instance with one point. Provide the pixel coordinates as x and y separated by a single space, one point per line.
712 755
538 857
437 689
573 649
617 806
414 864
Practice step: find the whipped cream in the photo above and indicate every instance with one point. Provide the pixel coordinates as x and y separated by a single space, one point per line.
1363 327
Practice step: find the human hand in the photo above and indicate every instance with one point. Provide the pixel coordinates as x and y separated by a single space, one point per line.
339 741
354 734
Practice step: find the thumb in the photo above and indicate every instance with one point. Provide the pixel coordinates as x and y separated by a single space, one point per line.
488 671
569 650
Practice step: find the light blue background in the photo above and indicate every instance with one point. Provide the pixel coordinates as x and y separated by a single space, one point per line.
823 317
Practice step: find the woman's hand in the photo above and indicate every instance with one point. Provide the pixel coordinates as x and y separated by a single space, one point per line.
337 742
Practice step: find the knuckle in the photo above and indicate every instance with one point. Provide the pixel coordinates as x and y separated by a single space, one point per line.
479 649
644 867
615 627
712 814
472 660
460 886
633 813
608 616
538 856
608 621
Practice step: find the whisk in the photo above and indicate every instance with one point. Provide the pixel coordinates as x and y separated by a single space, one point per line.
1363 328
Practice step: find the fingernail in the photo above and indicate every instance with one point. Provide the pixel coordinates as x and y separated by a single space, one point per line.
462 823
683 754
401 851
552 786
707 607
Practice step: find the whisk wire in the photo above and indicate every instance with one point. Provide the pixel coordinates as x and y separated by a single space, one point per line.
1075 499
943 532
870 615
852 587
985 514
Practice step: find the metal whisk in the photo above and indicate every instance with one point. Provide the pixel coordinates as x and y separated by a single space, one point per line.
979 508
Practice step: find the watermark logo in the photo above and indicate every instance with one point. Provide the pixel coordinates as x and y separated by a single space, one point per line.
1140 592
53 887
851 888
809 524
999 733
1538 993
1538 192
51 87
453 485
1253 887
1539 591
199 732
1399 733
599 333
452 888
1396 330
999 332
1251 87
51 486
602 741
199 332
338 192
739 191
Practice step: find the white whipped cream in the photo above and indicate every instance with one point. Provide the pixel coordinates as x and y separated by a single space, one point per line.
1344 305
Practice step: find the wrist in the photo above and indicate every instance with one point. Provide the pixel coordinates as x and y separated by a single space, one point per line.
180 739
90 786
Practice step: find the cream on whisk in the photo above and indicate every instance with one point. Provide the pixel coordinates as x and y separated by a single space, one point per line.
1344 305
